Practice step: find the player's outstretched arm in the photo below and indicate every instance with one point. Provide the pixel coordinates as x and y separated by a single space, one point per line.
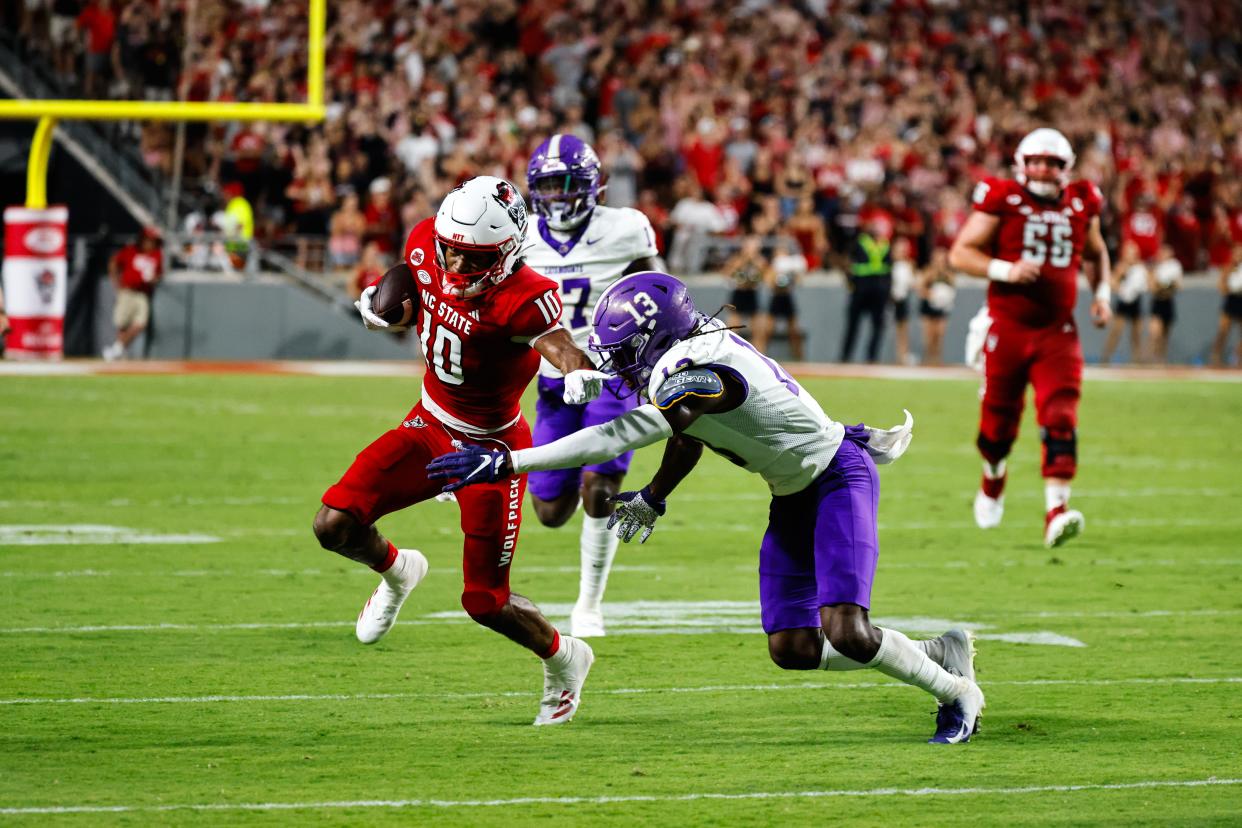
1099 277
582 382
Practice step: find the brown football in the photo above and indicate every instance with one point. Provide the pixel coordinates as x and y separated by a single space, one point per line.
396 296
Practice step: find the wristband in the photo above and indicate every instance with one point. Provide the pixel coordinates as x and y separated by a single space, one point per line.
998 271
1103 292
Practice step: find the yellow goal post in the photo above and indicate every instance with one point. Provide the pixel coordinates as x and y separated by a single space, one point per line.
48 112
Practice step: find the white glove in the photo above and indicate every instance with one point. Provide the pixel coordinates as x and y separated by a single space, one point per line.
886 445
369 319
582 386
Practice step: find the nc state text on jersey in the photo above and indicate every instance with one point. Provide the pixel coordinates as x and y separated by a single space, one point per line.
447 314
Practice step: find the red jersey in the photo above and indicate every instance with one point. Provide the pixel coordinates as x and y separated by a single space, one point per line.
140 269
478 353
1049 233
1144 227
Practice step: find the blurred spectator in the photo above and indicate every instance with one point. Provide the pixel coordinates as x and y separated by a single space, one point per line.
937 294
1166 279
61 26
382 223
1231 308
807 227
788 266
368 271
747 270
98 21
345 233
871 284
1130 282
903 284
135 271
237 223
693 218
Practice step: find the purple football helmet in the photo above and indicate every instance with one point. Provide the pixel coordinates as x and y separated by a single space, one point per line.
563 177
637 319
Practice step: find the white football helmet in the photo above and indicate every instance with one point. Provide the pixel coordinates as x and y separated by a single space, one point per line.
1044 143
478 231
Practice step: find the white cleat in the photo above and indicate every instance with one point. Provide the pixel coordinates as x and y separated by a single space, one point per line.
586 623
381 609
959 653
113 352
562 683
1063 526
988 511
446 497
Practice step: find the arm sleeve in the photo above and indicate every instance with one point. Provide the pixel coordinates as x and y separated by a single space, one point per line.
634 429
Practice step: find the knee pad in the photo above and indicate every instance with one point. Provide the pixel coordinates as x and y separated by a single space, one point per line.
1060 452
484 603
994 451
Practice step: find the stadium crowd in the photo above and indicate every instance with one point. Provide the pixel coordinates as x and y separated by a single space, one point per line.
713 118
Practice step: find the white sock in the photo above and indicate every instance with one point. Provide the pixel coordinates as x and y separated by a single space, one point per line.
994 472
830 659
899 658
933 647
395 575
1055 494
598 547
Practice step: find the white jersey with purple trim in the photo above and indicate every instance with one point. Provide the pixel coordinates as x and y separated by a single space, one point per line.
779 431
586 261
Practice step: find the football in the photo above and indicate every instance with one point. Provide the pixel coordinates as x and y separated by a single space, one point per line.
395 296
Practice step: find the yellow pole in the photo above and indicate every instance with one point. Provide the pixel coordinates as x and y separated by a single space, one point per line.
36 167
314 54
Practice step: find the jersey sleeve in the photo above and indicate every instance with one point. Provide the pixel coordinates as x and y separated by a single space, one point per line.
1092 198
989 196
536 311
692 382
642 234
419 245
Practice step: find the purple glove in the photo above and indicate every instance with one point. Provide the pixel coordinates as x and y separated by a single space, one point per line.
469 465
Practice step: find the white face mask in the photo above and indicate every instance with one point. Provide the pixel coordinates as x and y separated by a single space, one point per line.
1043 189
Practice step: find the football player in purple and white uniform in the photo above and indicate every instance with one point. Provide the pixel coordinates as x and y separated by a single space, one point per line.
707 387
585 247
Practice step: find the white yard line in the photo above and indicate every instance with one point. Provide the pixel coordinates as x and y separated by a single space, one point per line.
622 799
616 691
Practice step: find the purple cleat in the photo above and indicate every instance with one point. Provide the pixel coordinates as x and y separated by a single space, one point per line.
958 720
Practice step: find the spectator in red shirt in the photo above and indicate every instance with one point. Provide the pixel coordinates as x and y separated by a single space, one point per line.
135 271
381 215
1144 226
99 22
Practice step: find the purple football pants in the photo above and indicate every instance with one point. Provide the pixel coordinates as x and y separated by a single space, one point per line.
554 418
822 544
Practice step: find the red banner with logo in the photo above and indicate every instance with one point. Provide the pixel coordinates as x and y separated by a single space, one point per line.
35 280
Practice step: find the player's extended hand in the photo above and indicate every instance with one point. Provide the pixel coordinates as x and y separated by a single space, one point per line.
469 465
635 510
1023 272
582 386
369 319
1101 313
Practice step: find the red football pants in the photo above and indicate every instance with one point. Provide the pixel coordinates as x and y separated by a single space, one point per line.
1050 359
391 474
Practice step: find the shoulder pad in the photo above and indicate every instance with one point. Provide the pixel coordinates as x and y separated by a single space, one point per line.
692 382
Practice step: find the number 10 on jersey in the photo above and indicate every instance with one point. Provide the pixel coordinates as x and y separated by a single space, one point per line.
444 354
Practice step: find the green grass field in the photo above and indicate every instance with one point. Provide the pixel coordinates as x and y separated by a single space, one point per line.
177 647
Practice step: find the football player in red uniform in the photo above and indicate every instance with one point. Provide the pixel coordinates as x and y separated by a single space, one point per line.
1029 236
483 319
